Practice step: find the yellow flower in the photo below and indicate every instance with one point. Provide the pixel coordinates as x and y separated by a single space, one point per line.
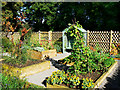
60 78
82 84
68 78
93 83
32 45
78 81
87 79
82 87
52 80
90 79
83 79
74 82
89 84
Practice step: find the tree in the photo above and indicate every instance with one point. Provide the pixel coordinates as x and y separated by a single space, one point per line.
9 12
41 15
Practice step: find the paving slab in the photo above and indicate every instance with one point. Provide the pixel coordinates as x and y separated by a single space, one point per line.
61 56
39 78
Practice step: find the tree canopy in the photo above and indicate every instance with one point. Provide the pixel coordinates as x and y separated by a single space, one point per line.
55 16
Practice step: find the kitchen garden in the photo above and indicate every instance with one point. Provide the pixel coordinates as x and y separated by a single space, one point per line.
88 65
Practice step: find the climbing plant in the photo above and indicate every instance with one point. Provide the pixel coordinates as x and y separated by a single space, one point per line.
85 60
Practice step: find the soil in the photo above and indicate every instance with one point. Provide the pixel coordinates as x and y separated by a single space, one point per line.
28 63
94 75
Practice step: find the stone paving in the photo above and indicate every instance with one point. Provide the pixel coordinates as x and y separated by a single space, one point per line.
39 78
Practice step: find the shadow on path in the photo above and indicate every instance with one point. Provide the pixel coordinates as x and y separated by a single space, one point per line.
58 65
114 81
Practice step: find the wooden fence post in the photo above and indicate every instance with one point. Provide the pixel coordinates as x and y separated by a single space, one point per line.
111 39
88 37
39 36
50 36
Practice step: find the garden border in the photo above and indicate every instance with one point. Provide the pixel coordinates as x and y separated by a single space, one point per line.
102 78
97 83
29 70
43 54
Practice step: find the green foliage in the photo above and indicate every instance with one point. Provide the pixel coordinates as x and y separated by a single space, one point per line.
58 45
14 82
17 57
60 77
38 11
57 78
87 83
10 12
84 59
7 44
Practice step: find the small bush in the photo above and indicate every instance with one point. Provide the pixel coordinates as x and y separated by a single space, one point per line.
14 82
7 44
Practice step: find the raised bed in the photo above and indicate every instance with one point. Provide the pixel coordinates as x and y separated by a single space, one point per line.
28 70
56 86
43 54
97 83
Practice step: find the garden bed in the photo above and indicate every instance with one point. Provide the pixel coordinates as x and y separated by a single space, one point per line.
43 54
27 69
97 78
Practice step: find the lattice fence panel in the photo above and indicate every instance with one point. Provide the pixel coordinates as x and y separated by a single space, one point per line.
16 36
56 36
44 35
115 38
34 37
102 38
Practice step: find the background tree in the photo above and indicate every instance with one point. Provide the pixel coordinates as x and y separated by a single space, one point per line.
41 15
9 12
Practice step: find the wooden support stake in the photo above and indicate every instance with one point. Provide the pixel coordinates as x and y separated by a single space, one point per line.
111 39
39 36
88 37
50 36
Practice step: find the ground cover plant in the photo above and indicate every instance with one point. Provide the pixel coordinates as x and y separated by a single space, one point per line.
88 65
11 81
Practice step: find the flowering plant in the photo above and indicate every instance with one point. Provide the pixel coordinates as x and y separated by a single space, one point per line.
87 83
47 44
57 77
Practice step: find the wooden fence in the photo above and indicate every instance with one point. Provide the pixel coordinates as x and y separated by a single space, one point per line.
104 38
38 36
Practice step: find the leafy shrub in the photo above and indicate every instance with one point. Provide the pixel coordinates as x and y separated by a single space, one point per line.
15 82
85 60
56 78
7 44
58 45
17 57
